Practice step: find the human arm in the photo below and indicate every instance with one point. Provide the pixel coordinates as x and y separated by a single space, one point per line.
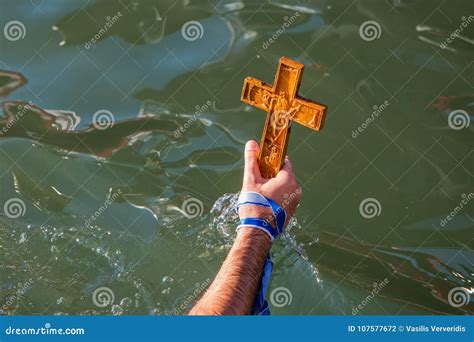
234 289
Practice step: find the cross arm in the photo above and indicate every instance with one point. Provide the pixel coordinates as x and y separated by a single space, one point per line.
309 113
257 93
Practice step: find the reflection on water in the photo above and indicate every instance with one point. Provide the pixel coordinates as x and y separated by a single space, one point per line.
9 81
58 129
104 206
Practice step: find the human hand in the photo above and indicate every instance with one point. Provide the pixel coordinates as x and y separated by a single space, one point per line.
283 189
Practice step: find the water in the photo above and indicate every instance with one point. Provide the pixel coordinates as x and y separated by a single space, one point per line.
101 225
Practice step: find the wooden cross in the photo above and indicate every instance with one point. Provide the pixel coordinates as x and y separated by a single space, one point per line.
283 105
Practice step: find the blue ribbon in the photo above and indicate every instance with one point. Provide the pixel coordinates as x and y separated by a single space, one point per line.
255 198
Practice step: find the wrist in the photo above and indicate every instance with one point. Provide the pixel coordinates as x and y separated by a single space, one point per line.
255 237
262 213
257 211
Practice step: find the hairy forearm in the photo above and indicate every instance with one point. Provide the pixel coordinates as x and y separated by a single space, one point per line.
234 289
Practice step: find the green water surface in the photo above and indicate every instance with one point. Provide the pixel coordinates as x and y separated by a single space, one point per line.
105 206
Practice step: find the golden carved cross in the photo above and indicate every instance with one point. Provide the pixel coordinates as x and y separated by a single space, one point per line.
283 105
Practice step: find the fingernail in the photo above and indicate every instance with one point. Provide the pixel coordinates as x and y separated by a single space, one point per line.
251 145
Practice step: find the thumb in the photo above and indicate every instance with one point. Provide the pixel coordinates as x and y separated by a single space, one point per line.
251 170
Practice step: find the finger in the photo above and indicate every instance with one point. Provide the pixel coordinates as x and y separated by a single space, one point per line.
288 166
251 170
286 171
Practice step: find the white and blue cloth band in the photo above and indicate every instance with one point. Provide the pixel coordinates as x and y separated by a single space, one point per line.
254 198
260 224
